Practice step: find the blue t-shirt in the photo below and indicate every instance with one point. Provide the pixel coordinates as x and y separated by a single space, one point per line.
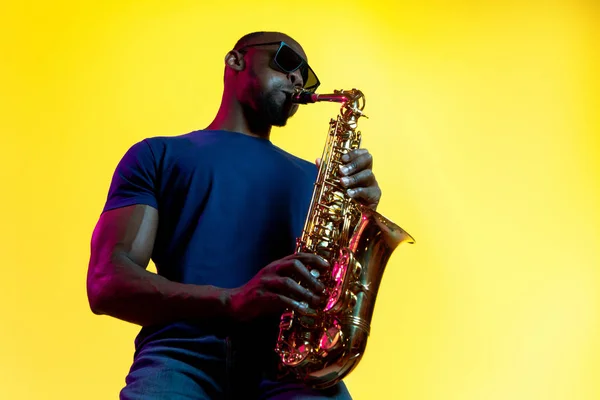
228 203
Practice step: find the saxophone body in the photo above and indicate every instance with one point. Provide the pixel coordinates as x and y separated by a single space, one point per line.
320 347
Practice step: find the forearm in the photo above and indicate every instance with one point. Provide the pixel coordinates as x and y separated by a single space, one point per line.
128 292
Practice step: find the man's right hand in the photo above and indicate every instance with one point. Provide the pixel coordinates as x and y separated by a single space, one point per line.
276 287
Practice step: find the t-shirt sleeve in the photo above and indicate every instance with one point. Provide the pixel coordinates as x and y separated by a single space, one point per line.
134 180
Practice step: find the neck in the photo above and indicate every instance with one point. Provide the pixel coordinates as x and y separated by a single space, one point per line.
233 116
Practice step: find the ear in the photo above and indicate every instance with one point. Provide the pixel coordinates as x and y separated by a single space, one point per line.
235 60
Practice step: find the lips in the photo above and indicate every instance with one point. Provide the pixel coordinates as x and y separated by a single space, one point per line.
288 104
288 96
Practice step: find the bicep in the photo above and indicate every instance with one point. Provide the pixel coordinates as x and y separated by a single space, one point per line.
127 231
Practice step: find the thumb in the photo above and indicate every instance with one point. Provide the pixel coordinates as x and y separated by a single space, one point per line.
318 162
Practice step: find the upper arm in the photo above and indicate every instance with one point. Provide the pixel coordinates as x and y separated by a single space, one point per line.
128 231
122 243
128 223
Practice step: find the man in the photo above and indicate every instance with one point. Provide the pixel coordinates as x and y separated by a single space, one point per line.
218 210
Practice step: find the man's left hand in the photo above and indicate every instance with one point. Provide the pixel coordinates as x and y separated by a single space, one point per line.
358 178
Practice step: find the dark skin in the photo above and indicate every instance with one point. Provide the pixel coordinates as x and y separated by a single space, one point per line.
256 96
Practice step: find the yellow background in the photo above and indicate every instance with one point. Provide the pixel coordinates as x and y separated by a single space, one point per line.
484 130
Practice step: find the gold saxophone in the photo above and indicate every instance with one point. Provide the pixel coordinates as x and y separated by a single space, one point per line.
320 347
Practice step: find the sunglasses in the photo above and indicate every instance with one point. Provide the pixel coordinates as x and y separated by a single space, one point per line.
288 61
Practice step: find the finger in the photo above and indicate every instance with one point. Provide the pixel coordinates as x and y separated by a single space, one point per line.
351 155
301 272
299 306
296 269
318 162
364 178
368 196
362 162
315 264
313 260
288 287
275 303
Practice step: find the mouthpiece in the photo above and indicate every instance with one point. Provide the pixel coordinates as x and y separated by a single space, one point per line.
305 97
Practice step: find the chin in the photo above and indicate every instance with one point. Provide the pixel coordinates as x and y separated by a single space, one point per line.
279 116
279 122
278 112
285 114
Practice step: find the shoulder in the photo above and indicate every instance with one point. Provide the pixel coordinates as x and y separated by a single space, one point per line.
193 139
162 147
155 143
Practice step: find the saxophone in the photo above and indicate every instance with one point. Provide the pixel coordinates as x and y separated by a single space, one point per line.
320 347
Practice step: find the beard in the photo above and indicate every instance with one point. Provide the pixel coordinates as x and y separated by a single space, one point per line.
273 108
266 107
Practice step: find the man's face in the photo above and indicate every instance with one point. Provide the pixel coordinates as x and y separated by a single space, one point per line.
268 89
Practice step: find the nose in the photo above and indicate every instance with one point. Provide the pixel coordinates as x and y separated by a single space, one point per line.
296 78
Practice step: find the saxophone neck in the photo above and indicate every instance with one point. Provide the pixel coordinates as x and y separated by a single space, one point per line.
352 100
338 96
304 97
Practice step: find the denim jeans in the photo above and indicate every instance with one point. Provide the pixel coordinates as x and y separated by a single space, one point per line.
185 365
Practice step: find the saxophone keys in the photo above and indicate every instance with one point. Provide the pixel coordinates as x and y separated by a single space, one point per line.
357 270
287 318
352 300
329 339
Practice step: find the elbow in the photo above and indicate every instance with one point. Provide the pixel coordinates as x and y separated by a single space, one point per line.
100 294
96 304
97 299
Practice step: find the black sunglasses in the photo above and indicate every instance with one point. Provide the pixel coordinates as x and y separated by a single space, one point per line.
287 60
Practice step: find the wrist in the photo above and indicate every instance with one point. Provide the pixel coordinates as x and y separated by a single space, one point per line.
226 304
